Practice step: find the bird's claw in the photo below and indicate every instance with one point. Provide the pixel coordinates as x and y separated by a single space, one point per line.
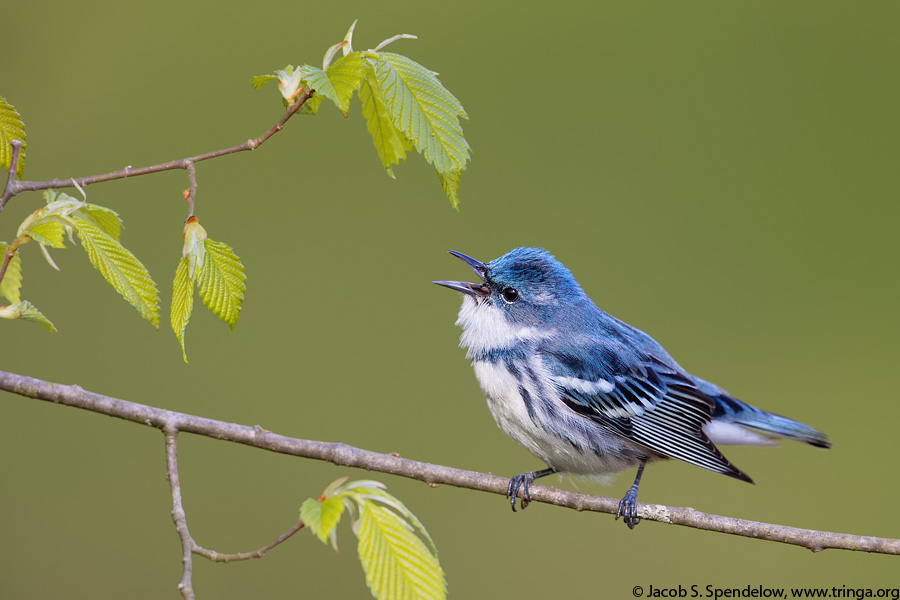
628 508
519 481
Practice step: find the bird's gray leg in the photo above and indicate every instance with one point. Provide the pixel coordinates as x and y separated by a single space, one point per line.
628 505
525 478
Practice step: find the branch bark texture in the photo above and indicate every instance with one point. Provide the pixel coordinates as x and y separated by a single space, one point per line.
348 456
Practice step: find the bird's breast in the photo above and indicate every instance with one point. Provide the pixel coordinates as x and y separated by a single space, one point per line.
526 406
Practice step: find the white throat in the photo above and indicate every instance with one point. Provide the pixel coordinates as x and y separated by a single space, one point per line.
486 328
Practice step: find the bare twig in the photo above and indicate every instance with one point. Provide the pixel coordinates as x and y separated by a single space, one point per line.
225 558
192 192
178 516
14 187
341 454
7 257
16 146
188 545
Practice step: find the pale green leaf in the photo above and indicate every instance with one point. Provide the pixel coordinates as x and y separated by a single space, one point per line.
121 269
450 184
194 246
323 517
26 311
12 280
49 233
47 256
222 282
423 110
59 204
260 81
182 302
376 492
106 219
397 564
11 128
390 144
339 81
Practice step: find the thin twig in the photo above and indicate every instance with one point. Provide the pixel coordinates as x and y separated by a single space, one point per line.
7 257
192 192
189 546
178 516
348 456
14 187
225 558
16 146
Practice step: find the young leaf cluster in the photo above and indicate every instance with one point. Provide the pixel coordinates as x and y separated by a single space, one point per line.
404 104
218 273
398 556
98 229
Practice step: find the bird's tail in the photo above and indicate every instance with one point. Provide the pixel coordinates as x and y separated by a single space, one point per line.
735 422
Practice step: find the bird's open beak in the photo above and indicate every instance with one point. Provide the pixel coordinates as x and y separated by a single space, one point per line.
476 290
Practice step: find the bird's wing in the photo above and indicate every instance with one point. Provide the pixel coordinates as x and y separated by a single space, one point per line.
640 398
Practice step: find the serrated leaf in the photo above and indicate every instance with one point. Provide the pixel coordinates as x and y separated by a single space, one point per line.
182 302
12 280
222 282
377 493
26 311
11 128
450 185
49 233
339 81
396 562
260 81
106 219
423 110
390 144
323 517
121 269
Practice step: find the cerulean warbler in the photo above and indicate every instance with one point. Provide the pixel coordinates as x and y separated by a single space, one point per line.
587 393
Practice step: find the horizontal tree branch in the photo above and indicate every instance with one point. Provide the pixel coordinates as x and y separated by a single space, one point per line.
14 187
348 456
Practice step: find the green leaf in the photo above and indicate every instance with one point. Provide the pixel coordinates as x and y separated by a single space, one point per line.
106 219
323 517
260 81
390 144
450 184
124 272
397 563
222 282
26 311
339 81
49 233
423 110
12 281
375 490
182 302
11 128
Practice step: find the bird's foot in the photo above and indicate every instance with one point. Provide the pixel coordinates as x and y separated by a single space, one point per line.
524 481
628 508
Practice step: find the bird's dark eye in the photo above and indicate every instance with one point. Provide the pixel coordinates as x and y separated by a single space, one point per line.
510 294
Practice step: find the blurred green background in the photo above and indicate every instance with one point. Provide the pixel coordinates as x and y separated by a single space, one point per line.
721 175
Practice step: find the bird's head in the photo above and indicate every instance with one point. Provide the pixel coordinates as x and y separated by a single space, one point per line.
520 295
